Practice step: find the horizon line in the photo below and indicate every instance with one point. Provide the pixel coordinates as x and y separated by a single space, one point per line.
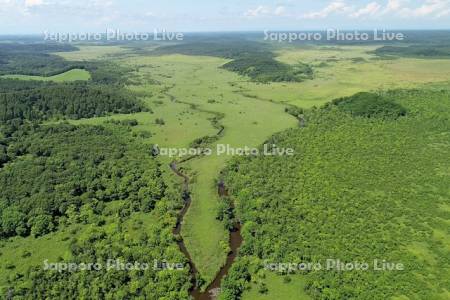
234 31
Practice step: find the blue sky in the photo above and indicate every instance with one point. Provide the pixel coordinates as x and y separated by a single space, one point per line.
36 16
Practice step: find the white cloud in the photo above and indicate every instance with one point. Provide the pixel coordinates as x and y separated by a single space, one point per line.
333 7
430 8
370 10
280 11
266 11
392 6
257 12
427 8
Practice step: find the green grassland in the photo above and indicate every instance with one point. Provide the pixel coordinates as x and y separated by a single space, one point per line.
71 75
346 70
186 92
197 80
20 253
92 53
277 288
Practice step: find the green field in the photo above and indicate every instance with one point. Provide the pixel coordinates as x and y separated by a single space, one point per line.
71 75
92 53
344 71
197 80
184 81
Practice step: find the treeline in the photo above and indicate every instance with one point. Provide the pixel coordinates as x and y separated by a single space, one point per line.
39 64
264 68
35 47
369 105
37 59
105 72
252 59
34 59
231 48
360 187
418 51
34 101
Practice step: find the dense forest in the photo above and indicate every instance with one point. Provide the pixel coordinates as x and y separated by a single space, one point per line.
41 101
56 167
38 59
420 51
34 59
235 48
369 105
359 187
64 177
264 68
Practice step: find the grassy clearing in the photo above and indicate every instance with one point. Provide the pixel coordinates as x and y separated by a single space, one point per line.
71 75
278 289
91 53
15 256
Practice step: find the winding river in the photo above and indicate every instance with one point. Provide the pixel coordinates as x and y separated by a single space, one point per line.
235 242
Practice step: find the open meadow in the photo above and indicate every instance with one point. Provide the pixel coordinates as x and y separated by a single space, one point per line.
345 70
187 92
72 75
